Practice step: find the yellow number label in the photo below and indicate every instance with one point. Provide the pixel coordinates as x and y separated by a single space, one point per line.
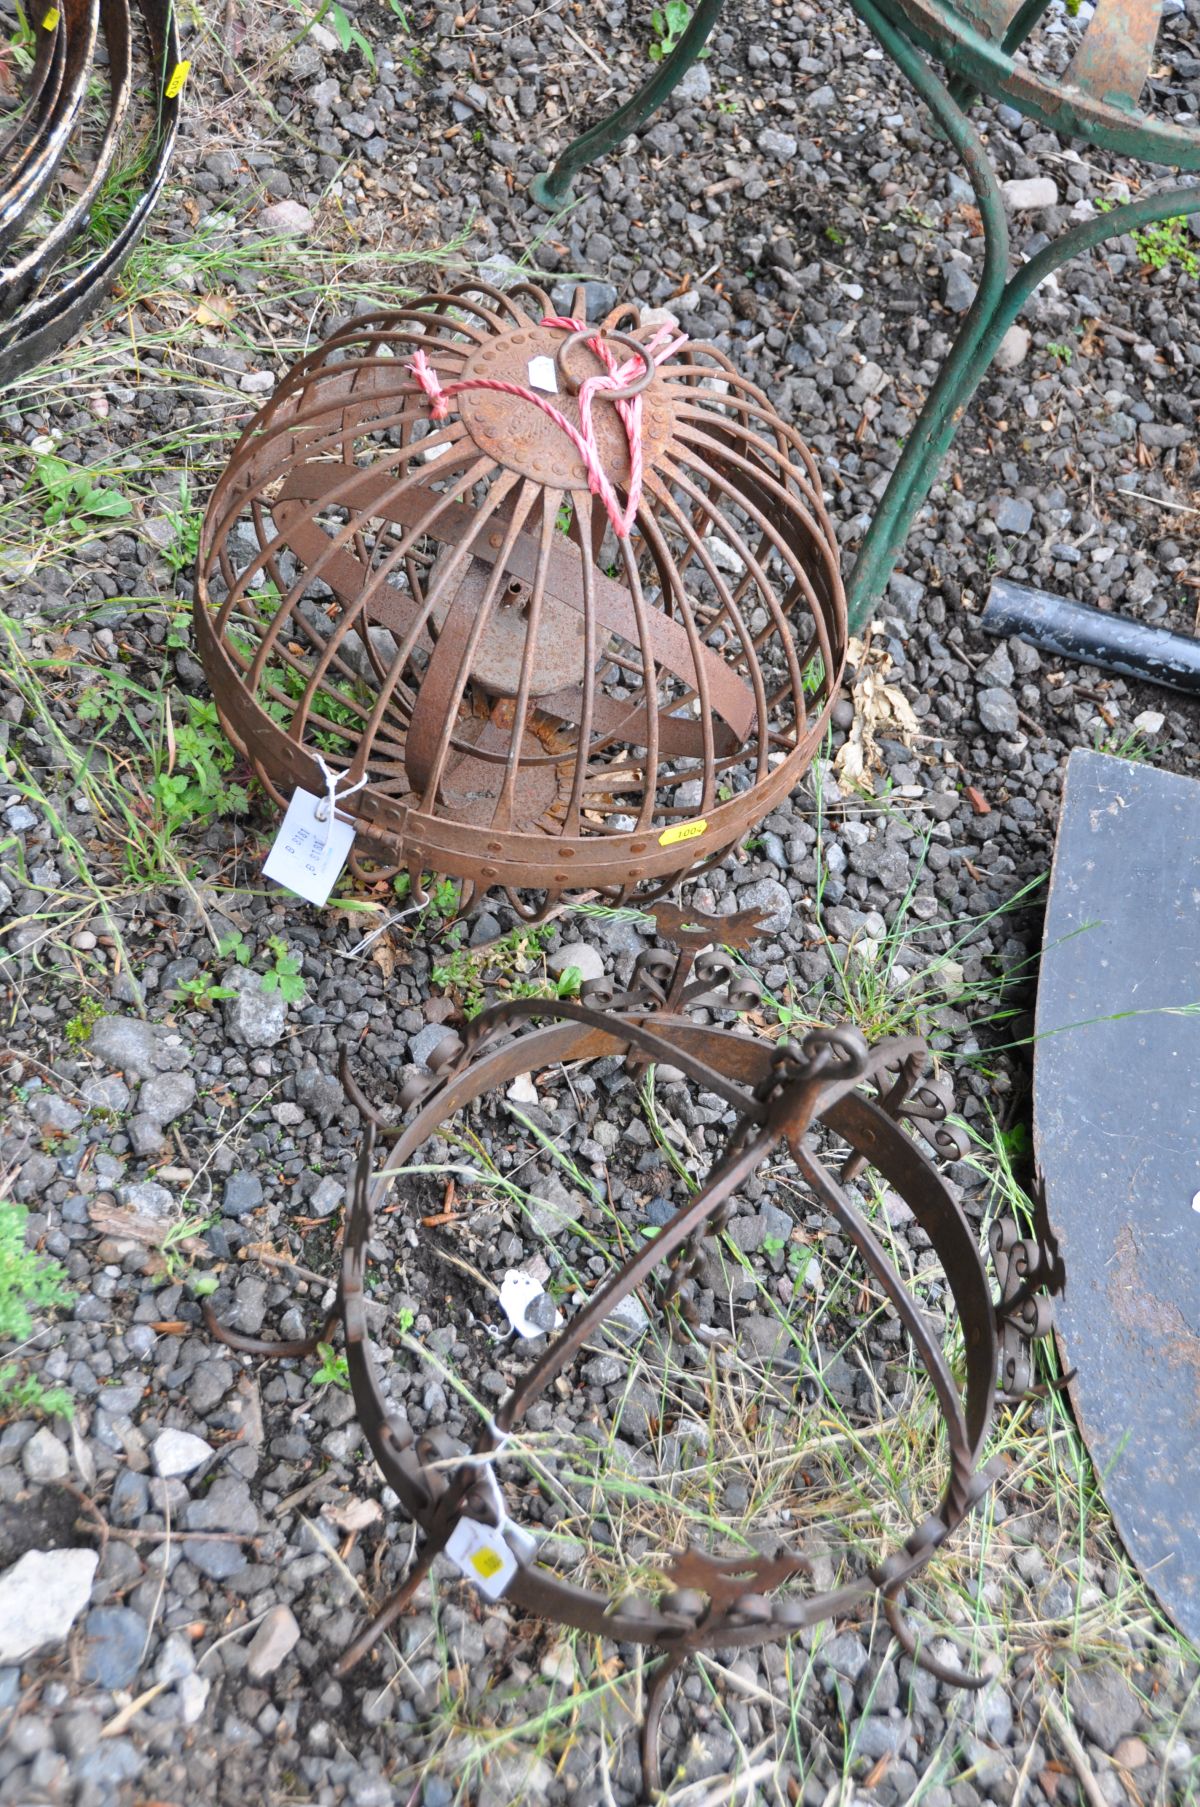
50 20
486 1563
682 831
179 75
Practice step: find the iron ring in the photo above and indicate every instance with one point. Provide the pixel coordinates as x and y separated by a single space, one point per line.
572 383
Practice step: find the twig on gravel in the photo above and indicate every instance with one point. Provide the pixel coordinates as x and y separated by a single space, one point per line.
162 1579
1069 1739
237 1631
254 1538
120 1720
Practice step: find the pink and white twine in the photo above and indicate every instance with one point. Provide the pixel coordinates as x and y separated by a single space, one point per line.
664 342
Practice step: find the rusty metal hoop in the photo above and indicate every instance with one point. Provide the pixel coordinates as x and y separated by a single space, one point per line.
781 1094
441 609
45 292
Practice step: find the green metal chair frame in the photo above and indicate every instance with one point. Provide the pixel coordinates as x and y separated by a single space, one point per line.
1097 100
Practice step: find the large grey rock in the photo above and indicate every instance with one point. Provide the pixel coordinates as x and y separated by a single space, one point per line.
1013 348
147 1137
285 219
423 1043
167 1096
276 1636
124 1042
40 1598
255 1018
1014 514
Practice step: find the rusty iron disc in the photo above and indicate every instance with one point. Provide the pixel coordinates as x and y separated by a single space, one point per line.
1116 1109
372 584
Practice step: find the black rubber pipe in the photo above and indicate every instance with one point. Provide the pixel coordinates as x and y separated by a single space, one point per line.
1088 636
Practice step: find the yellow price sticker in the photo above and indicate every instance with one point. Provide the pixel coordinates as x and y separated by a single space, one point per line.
486 1563
682 831
179 75
50 18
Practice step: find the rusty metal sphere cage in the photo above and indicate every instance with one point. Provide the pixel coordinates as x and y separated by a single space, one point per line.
442 609
829 1108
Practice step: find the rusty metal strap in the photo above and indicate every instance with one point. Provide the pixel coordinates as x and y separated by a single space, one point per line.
37 311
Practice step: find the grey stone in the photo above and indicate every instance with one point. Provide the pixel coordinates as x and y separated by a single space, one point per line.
147 1198
880 1736
114 1639
285 219
124 1042
130 1498
1026 194
175 1660
275 1637
114 1761
552 1208
629 1315
1013 348
997 669
146 1135
254 1018
696 85
55 1114
327 1196
769 897
423 1043
106 1093
41 1597
958 287
1104 1705
998 711
44 1457
780 145
242 1194
320 1094
167 1096
226 1506
192 1693
1013 514
845 1653
178 1452
579 954
20 818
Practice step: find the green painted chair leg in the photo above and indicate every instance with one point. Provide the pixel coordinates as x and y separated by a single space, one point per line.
553 190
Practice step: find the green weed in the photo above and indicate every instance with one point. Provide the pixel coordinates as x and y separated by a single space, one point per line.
284 975
28 1283
668 23
79 1027
333 1369
72 497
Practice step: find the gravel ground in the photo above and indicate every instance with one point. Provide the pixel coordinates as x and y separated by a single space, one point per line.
790 204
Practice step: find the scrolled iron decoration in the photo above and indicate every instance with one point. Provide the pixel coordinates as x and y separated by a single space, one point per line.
410 571
795 1100
47 286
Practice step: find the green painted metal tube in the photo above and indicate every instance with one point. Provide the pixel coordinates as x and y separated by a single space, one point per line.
996 306
553 190
927 443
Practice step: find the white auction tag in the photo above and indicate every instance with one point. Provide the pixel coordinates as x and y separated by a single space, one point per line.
517 1293
542 375
308 854
482 1555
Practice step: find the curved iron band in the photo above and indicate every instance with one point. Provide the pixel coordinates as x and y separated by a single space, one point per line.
1098 96
710 1056
52 316
34 102
18 279
32 171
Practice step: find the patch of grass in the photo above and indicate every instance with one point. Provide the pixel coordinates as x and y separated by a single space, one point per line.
79 1027
29 1283
506 969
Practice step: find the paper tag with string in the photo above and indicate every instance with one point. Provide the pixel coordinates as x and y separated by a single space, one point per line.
310 849
482 1555
312 846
